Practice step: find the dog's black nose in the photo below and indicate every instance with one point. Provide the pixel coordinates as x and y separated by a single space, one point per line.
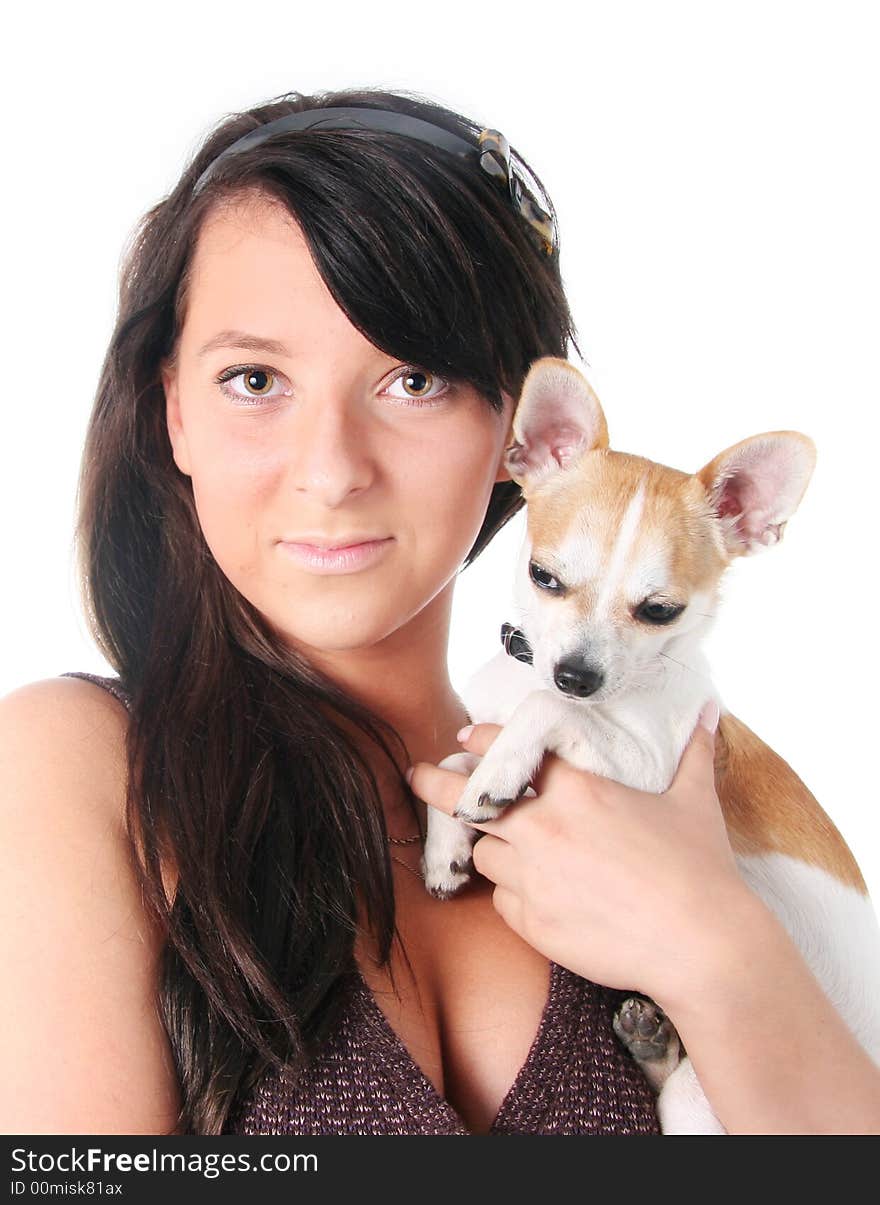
576 679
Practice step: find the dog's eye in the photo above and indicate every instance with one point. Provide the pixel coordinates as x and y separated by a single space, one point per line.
542 578
659 612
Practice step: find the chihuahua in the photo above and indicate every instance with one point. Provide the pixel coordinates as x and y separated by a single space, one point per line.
617 584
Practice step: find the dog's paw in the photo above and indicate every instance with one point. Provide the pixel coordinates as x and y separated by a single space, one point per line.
446 878
644 1029
479 804
447 859
650 1037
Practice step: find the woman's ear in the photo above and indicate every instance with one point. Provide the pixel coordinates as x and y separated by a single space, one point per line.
173 420
502 474
509 411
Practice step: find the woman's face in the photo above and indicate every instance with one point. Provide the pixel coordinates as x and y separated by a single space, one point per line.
322 435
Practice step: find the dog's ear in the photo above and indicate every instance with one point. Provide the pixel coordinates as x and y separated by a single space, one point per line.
557 419
755 486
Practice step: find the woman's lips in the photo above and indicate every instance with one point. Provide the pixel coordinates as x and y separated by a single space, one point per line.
336 560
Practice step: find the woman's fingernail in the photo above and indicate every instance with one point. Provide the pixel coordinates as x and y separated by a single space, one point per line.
464 733
710 714
409 774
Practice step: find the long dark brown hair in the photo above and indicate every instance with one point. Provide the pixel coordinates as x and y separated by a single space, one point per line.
241 774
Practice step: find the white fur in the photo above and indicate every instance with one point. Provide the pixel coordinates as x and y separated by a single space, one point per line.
627 534
835 928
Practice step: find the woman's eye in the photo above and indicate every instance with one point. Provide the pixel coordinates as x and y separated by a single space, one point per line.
417 383
257 381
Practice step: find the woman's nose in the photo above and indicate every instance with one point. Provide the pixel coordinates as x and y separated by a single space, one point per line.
331 448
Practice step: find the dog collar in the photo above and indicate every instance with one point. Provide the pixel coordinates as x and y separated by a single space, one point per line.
515 643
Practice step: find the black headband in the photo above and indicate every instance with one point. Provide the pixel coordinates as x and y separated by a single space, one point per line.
492 151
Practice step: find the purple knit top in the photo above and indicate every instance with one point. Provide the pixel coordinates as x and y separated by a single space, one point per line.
577 1077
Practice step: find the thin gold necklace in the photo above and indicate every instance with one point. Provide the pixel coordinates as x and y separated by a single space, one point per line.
411 869
412 840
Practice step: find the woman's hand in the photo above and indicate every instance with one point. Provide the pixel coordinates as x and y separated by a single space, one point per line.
624 887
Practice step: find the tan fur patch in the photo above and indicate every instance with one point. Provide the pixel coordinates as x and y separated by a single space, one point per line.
767 808
594 499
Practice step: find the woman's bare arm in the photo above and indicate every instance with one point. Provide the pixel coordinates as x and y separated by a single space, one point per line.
771 1052
82 1046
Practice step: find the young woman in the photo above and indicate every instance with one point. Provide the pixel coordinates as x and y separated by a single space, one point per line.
320 340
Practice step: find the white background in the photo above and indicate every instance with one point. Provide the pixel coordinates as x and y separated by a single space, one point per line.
714 168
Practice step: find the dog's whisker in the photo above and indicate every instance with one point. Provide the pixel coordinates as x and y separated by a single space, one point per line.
681 663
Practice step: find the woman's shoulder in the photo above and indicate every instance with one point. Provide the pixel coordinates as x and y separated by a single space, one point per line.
66 876
66 691
69 733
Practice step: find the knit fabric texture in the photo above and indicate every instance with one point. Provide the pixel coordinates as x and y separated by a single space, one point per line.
577 1077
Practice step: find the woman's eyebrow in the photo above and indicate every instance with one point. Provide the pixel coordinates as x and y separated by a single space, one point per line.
241 339
247 342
